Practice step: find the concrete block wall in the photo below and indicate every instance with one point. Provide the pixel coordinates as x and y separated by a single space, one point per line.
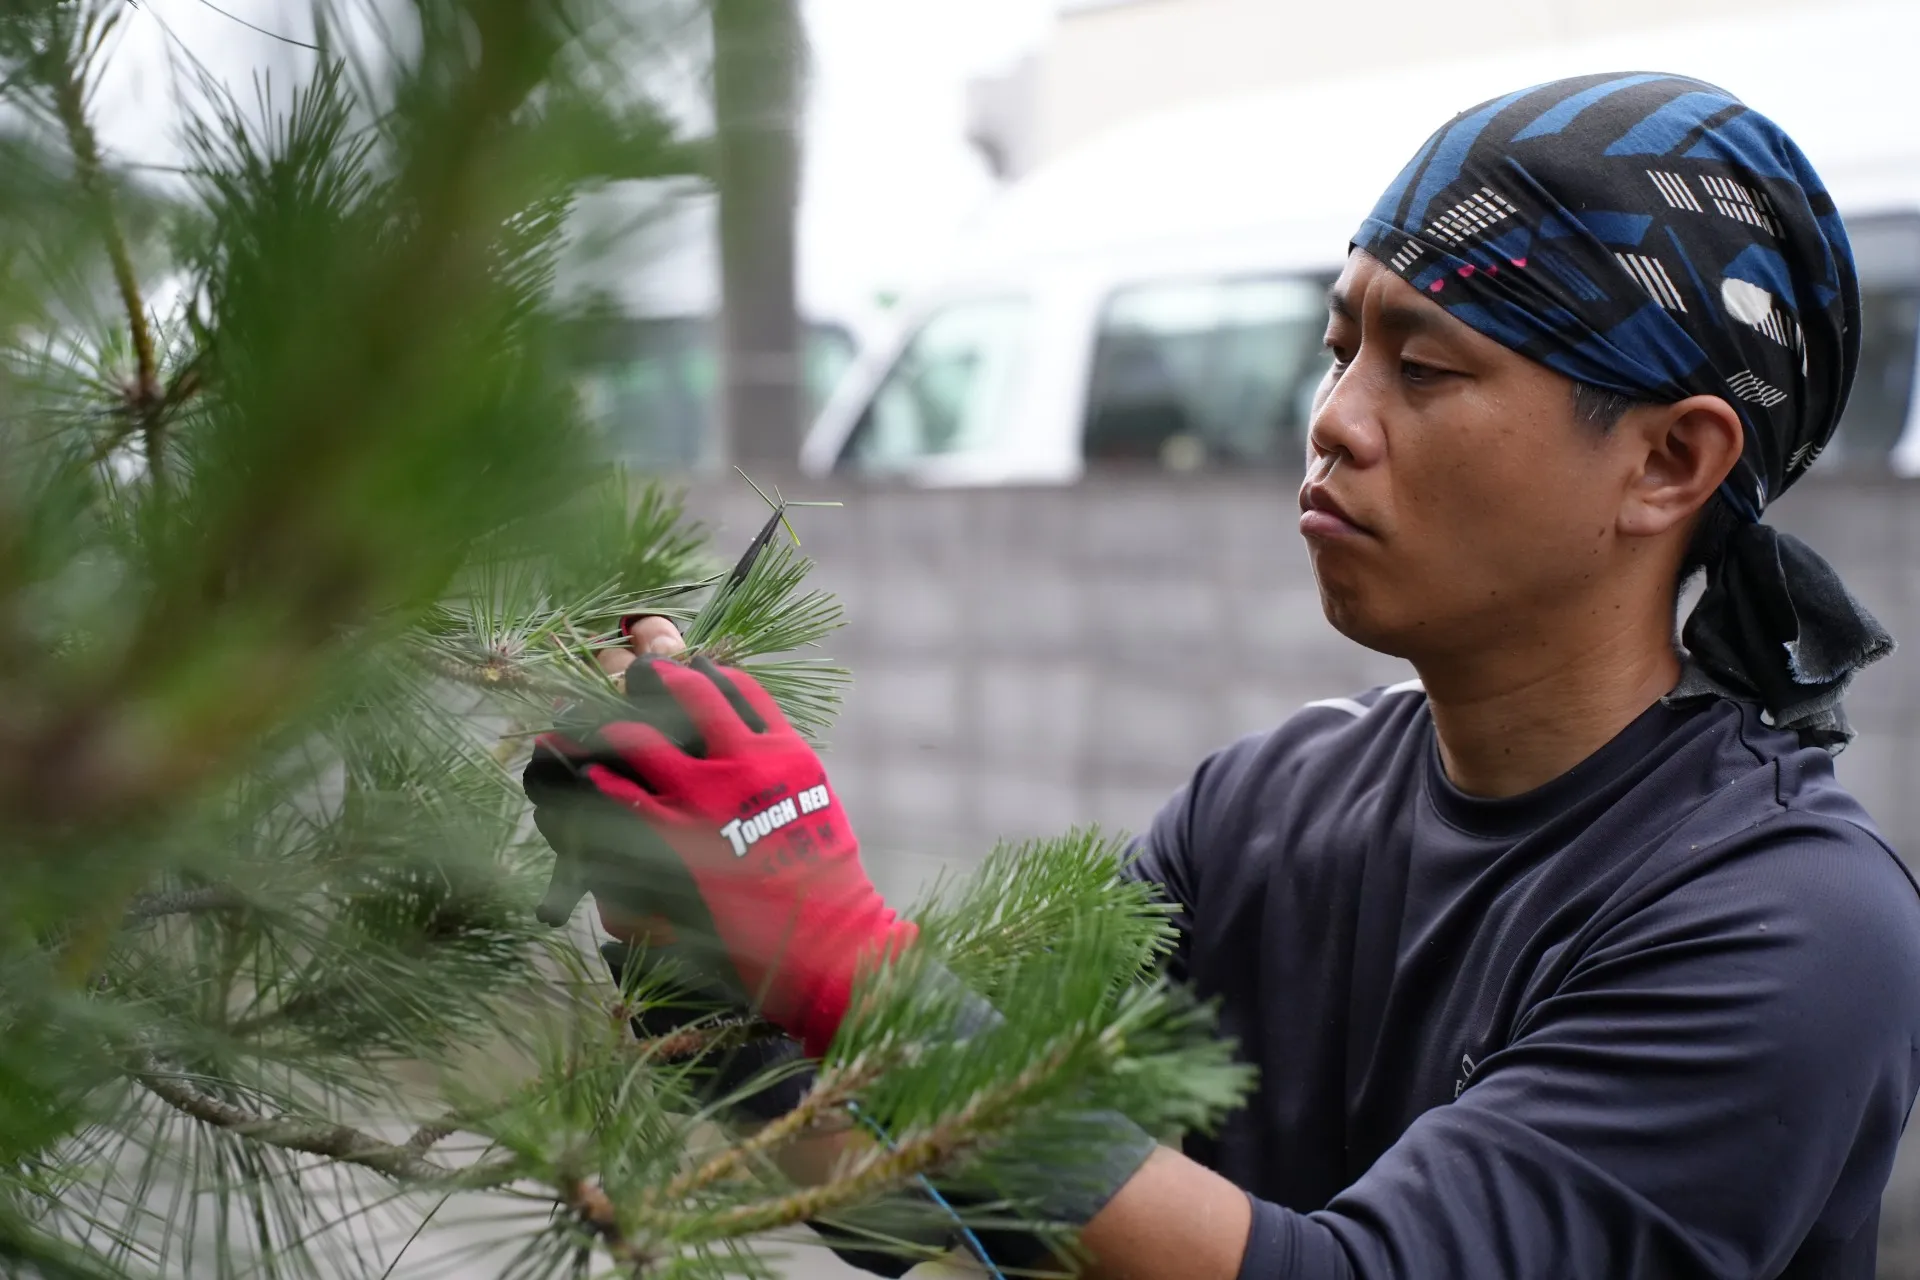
1026 659
1029 659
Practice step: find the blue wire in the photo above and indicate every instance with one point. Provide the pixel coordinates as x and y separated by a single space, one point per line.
966 1233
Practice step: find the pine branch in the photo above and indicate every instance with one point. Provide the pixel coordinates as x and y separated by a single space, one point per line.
343 1144
693 1042
179 902
337 1142
145 399
591 1206
142 908
427 1136
493 673
831 1092
1038 888
834 1088
885 1169
182 387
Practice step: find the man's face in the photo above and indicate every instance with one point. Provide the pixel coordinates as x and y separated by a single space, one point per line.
1452 501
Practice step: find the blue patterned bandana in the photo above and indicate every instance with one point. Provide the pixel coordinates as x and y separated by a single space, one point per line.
1651 235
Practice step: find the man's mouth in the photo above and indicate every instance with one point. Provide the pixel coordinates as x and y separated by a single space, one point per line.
1322 516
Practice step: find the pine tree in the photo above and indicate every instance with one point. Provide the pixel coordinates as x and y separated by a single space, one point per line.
291 569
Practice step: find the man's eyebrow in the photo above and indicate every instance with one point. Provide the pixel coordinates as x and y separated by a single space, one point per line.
1403 320
1408 321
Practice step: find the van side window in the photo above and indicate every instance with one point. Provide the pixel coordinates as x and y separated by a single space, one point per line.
652 384
950 390
1886 252
1199 373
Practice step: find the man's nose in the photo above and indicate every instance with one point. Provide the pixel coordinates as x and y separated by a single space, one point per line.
1347 419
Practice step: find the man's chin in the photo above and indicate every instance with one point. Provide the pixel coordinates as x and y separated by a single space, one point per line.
1346 613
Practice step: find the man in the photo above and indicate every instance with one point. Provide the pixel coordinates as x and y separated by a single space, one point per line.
1571 958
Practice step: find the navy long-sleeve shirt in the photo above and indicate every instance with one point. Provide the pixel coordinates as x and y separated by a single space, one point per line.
1658 1018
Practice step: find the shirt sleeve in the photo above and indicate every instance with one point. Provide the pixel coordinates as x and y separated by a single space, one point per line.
1720 1081
1164 856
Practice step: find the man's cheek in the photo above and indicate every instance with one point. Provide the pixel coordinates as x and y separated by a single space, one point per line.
1382 595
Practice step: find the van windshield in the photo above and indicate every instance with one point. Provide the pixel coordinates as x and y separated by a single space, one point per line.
950 390
1206 372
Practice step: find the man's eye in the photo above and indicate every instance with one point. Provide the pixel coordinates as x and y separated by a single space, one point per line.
1418 373
1341 354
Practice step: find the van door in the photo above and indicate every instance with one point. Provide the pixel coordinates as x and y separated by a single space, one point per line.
1206 372
1880 429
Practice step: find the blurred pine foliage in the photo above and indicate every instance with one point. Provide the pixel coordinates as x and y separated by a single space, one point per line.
291 565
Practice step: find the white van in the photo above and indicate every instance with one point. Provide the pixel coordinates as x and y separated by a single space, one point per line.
643 270
1157 296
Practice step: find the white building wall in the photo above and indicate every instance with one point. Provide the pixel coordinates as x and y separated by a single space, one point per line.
1110 60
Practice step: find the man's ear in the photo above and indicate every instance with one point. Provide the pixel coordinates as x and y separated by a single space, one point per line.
1688 448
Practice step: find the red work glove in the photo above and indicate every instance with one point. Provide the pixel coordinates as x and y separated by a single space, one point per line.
748 811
